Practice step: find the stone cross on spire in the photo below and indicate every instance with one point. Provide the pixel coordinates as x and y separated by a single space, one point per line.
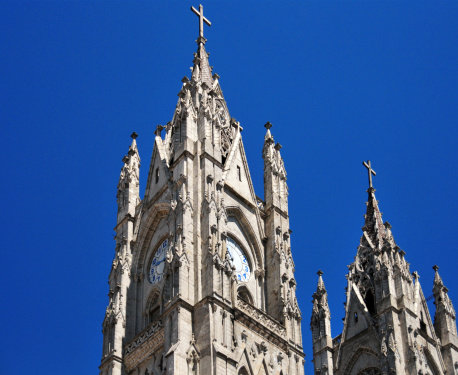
370 172
202 19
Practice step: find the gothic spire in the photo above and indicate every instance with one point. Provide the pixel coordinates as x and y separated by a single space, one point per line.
445 320
268 138
320 297
437 279
320 287
321 316
130 170
201 70
271 153
128 185
373 224
275 187
440 292
378 255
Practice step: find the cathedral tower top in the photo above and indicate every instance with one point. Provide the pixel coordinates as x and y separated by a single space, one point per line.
203 278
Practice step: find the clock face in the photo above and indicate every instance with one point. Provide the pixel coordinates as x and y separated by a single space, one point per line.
239 261
157 265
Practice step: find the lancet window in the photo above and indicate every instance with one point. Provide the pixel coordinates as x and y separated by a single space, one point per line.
153 308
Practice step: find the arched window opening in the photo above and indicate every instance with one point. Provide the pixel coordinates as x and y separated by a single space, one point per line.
244 294
153 308
356 317
370 302
422 322
243 371
154 314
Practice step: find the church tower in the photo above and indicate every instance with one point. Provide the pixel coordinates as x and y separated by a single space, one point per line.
203 277
387 325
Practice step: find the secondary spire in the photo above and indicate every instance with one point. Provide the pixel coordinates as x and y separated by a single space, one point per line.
373 225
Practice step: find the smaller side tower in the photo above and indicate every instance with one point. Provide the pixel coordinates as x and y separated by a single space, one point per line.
387 325
445 324
320 325
280 281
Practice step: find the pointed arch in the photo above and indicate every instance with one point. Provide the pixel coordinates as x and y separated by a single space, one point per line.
250 235
244 293
369 300
244 362
354 358
263 368
147 229
153 307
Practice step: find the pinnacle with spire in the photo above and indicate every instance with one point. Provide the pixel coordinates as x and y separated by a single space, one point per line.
275 186
128 186
320 321
321 294
440 291
378 250
320 285
268 137
201 69
373 224
445 316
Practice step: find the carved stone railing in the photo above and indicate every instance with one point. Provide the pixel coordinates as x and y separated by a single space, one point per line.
261 317
143 344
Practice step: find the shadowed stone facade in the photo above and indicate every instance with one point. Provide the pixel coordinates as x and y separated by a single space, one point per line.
203 276
387 325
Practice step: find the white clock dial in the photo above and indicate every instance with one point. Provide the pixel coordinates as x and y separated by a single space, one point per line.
157 265
239 261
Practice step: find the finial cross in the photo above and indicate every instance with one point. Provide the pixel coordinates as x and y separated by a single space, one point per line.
370 171
202 19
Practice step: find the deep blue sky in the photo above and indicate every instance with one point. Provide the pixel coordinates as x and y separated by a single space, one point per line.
342 82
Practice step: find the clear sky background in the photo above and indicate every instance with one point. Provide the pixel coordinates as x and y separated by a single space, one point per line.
342 82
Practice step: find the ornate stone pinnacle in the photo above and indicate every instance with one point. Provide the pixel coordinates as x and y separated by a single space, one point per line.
134 135
319 273
435 268
268 125
416 275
